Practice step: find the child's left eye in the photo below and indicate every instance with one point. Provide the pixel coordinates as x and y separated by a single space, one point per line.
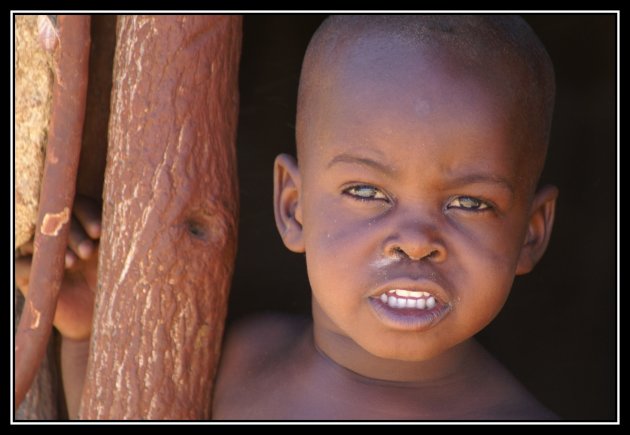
365 193
468 203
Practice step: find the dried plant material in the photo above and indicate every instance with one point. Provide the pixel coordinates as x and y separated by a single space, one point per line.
48 32
33 97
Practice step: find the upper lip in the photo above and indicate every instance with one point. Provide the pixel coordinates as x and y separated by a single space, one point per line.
417 285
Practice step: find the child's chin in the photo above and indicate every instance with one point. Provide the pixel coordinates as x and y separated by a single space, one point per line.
402 353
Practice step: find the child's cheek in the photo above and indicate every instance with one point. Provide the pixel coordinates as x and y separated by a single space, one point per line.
495 242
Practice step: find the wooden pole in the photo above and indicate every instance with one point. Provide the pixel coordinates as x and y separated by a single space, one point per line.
71 59
40 403
169 219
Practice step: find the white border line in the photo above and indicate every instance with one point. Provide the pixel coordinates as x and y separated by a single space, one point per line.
301 12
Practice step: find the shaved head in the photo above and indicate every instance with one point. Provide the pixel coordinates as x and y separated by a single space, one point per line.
502 51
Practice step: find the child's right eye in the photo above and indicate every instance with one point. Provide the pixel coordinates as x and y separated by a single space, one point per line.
365 192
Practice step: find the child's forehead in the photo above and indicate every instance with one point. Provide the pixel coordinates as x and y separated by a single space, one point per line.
474 70
388 54
409 107
406 90
401 71
378 67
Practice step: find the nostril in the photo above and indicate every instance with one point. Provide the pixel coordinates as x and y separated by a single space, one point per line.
400 254
431 254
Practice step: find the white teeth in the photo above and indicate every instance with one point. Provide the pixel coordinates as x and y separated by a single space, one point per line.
408 299
392 302
407 293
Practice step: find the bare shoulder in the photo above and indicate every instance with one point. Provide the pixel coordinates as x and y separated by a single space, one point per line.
503 396
252 348
520 404
514 402
262 334
522 407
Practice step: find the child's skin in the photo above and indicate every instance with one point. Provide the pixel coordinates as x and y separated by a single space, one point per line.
417 171
419 157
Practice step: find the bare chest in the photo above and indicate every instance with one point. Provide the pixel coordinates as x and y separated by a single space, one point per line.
309 393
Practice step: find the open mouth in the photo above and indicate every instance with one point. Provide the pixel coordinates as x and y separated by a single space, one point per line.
405 309
398 298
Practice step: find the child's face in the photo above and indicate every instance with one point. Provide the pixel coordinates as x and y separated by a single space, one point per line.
411 178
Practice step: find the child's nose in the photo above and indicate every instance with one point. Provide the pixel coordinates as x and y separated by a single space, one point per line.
416 241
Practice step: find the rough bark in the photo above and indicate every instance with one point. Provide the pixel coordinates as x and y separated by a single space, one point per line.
57 194
169 219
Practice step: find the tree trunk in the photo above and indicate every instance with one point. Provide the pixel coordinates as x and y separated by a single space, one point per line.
169 219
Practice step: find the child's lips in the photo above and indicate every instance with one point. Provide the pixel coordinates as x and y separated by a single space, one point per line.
413 306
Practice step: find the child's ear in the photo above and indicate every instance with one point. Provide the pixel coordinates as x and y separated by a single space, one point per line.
286 202
539 228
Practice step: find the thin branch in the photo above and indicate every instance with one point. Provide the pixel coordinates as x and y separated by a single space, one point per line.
71 58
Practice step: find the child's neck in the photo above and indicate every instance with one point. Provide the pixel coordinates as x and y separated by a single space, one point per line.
450 366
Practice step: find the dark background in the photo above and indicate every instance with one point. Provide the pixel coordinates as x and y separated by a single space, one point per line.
557 333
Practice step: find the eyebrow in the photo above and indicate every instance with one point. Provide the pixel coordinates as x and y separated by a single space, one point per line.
483 179
364 161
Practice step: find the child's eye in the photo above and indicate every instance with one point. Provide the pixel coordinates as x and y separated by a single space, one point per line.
468 203
365 193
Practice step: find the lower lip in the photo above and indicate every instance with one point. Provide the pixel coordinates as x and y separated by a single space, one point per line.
409 319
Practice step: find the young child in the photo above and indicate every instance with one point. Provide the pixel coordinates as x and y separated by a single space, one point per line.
420 142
